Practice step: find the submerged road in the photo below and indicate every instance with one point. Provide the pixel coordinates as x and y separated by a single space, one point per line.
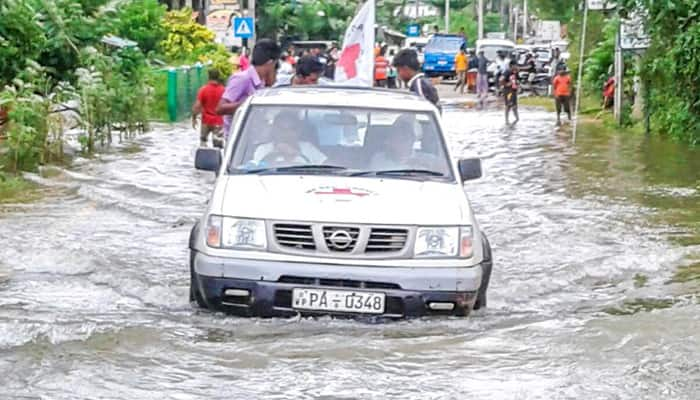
594 291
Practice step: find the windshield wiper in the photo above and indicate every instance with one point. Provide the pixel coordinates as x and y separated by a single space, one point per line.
291 168
311 167
400 172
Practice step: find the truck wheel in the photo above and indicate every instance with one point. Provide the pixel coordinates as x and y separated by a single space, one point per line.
487 265
195 294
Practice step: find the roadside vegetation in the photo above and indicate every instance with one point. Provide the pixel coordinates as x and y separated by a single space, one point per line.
53 59
669 69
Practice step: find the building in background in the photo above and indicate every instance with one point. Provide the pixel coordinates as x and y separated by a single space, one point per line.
425 9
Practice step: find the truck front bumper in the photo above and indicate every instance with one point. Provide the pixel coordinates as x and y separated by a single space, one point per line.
264 288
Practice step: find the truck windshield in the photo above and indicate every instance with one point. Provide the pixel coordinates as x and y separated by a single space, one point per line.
444 44
340 141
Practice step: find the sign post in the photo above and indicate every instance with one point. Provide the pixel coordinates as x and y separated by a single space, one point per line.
244 27
631 36
413 30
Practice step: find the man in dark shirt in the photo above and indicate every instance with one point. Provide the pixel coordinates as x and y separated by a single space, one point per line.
407 66
482 79
309 70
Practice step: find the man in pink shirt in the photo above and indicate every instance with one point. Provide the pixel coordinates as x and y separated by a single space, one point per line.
243 84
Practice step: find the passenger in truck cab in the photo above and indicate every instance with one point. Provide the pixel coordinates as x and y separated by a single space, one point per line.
398 148
287 147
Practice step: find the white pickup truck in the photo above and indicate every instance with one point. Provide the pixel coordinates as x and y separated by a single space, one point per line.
339 201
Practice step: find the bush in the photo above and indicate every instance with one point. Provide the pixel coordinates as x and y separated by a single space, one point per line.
601 58
30 101
188 42
184 36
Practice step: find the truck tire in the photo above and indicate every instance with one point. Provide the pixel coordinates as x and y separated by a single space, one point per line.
487 265
195 295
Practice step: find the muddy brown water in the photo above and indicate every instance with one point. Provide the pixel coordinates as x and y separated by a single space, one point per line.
594 292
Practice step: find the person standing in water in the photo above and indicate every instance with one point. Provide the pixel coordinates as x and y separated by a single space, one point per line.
208 99
562 93
482 79
510 91
461 64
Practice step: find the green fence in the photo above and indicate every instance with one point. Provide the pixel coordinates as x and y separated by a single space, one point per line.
176 90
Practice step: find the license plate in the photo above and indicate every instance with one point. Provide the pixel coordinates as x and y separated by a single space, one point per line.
442 62
338 301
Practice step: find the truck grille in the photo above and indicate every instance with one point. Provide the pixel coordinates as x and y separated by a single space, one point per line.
384 240
340 239
296 236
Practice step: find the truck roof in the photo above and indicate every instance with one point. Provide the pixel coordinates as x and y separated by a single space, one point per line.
494 42
342 96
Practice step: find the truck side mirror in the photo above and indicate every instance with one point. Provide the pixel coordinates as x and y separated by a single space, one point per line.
470 169
208 159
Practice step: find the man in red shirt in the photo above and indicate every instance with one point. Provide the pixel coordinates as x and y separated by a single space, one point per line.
207 101
562 93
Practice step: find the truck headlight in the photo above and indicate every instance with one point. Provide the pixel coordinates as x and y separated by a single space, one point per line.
236 233
443 241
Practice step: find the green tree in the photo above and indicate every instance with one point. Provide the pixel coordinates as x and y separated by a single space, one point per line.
312 19
21 38
140 21
671 66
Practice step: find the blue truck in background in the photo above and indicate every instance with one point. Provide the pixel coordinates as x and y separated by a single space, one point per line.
440 54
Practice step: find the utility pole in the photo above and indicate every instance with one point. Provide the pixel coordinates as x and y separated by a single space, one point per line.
515 24
525 33
580 69
251 13
619 73
417 9
481 19
447 16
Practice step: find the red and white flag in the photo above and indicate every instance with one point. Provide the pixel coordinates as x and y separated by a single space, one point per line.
356 63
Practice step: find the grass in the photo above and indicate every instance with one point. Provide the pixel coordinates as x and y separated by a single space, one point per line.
630 307
590 113
687 273
640 280
14 188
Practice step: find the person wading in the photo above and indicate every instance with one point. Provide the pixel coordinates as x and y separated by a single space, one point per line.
461 64
208 99
407 66
482 79
562 93
510 91
243 84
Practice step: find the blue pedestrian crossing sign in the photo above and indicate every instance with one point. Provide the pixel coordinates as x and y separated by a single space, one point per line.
413 30
243 27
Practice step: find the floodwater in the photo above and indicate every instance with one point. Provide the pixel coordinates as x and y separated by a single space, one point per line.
594 291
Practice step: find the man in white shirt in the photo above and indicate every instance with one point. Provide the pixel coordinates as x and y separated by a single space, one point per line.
398 150
287 146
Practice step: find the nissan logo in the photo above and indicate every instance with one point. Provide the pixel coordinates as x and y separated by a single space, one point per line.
340 239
